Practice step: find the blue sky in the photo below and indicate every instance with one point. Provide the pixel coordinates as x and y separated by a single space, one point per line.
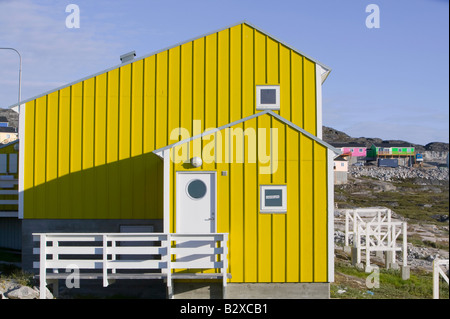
390 82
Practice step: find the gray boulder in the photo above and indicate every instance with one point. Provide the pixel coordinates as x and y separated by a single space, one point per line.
23 292
48 294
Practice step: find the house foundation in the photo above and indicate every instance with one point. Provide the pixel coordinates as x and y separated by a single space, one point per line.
213 290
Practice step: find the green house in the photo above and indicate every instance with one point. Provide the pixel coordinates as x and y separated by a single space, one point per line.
390 149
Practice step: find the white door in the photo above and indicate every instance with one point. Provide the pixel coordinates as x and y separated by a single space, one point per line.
196 203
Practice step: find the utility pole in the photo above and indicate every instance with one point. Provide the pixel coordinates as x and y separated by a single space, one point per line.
20 74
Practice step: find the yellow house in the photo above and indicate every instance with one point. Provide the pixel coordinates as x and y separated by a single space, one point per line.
10 231
219 134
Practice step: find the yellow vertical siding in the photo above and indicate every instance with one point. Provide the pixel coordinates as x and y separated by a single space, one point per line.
149 136
211 67
94 139
250 218
272 66
138 166
235 71
76 140
320 213
309 91
306 209
52 156
112 144
63 183
89 146
263 247
285 82
279 220
293 220
28 176
248 85
124 170
40 153
297 89
100 143
223 77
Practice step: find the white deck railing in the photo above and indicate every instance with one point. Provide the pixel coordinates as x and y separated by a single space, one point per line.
380 236
7 183
363 215
109 255
437 272
373 230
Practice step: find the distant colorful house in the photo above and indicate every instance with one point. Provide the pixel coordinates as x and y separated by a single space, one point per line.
386 149
353 152
402 152
340 170
351 149
7 133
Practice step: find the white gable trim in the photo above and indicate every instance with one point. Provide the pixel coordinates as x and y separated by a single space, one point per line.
160 151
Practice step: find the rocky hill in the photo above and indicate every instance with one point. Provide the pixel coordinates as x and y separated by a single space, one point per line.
12 117
331 135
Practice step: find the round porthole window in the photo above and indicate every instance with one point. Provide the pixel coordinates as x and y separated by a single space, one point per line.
196 189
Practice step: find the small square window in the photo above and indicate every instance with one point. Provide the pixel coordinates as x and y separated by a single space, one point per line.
267 97
273 199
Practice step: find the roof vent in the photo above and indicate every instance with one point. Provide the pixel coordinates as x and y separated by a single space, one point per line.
127 56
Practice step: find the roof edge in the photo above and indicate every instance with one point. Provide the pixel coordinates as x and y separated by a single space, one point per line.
328 69
269 112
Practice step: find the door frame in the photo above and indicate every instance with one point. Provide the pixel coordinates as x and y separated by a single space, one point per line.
177 199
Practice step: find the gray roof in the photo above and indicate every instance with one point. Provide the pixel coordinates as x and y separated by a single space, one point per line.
393 144
7 129
350 144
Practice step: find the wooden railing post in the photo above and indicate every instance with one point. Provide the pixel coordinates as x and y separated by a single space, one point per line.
169 266
224 244
105 261
42 267
435 279
347 228
405 245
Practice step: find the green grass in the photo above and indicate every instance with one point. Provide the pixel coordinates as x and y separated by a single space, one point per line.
392 286
408 199
417 241
11 272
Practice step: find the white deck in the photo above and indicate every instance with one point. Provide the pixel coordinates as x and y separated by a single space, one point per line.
108 256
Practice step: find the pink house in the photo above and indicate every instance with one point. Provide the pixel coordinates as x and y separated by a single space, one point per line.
351 149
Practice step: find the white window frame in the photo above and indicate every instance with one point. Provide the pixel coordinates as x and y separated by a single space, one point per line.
260 106
272 209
